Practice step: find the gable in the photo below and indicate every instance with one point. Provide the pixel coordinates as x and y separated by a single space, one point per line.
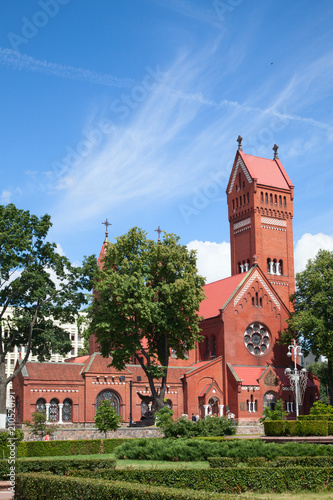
257 276
218 294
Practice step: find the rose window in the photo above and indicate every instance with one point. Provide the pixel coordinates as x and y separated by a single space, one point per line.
257 339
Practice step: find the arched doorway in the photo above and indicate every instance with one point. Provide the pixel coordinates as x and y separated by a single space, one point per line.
270 400
213 405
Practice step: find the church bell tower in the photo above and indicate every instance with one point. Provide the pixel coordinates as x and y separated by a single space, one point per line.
260 210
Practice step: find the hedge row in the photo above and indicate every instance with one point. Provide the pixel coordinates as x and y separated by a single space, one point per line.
227 480
316 417
56 466
298 427
33 486
221 462
66 447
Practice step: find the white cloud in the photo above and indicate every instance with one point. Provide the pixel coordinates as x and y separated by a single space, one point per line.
213 259
18 61
5 197
308 246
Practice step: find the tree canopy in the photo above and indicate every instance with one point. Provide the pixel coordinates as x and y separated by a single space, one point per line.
311 322
39 290
146 298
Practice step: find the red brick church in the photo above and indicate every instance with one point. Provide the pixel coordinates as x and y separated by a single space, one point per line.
239 366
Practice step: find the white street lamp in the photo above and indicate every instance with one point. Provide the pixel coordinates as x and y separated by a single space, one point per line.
298 378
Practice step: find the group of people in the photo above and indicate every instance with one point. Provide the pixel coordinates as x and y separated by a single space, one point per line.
195 417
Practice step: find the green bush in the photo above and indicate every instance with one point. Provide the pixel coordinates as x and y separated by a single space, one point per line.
221 462
211 426
201 449
227 480
320 408
56 466
296 427
326 416
33 486
109 445
58 448
8 437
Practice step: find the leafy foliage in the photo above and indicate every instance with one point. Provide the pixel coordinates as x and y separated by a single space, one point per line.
39 426
277 414
163 417
312 320
320 408
146 297
321 371
39 289
106 418
200 449
211 426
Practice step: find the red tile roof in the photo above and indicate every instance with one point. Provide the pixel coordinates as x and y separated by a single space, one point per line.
217 293
267 172
249 374
68 372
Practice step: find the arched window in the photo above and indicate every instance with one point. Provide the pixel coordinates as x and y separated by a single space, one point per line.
67 410
280 200
40 405
168 403
274 266
266 197
281 266
206 347
270 400
262 196
285 201
268 265
144 409
213 346
109 396
54 410
275 199
271 198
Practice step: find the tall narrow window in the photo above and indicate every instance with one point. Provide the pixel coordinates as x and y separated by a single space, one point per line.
271 198
213 346
262 196
275 199
206 347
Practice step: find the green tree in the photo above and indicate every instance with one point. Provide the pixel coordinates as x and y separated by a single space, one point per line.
39 289
321 371
320 408
106 418
312 320
277 414
146 297
39 426
163 417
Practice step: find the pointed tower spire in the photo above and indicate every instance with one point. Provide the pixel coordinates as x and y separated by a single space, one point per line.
106 224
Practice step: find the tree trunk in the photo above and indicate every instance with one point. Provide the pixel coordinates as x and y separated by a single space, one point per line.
3 387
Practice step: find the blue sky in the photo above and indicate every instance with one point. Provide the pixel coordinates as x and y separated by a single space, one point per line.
131 109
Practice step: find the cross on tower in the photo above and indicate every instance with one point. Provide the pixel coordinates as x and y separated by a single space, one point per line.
239 140
275 149
106 224
158 230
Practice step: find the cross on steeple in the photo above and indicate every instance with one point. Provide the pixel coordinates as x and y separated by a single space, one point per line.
159 231
275 149
239 140
106 224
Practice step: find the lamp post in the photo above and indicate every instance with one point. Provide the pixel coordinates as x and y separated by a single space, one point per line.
298 378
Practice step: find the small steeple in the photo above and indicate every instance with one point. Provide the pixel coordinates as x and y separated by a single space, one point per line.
106 224
239 140
275 149
158 230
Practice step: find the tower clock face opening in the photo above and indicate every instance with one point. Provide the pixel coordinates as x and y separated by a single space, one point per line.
257 339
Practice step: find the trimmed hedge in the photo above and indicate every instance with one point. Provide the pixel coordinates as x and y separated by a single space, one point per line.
328 417
56 466
221 462
68 447
296 427
33 486
227 480
58 448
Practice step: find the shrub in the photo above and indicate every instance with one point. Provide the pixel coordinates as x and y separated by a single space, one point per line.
39 425
211 426
277 414
227 480
17 435
320 408
56 466
58 448
296 428
201 449
32 486
163 417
